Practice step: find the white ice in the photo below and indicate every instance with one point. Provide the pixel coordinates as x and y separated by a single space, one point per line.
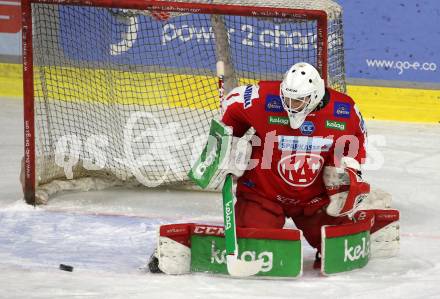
107 236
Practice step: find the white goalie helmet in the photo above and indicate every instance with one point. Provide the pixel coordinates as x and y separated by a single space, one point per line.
301 91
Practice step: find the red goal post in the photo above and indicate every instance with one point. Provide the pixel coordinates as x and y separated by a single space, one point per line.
50 100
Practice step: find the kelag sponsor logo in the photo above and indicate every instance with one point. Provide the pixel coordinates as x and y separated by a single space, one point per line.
228 215
304 144
219 257
273 103
337 125
355 252
341 110
307 128
278 120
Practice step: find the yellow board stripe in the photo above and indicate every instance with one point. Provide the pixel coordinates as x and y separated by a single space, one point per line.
129 88
11 80
402 104
384 103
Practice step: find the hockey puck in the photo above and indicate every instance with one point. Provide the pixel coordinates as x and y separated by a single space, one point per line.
66 268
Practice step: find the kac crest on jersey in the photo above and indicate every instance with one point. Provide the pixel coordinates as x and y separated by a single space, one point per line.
300 169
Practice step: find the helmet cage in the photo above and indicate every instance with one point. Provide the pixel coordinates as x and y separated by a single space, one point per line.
295 105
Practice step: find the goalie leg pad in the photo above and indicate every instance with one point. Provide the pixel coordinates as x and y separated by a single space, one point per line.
384 231
345 247
280 250
173 248
185 248
372 234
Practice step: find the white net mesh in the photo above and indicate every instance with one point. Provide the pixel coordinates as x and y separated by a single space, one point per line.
127 96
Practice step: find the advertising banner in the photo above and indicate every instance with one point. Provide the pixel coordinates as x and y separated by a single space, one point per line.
390 40
150 42
10 27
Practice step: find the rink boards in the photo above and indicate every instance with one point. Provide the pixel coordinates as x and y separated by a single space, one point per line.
384 103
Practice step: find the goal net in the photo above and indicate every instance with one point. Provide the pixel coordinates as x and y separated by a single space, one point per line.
122 92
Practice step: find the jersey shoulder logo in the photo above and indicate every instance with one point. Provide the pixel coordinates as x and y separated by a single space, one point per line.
300 169
341 109
244 94
273 103
247 96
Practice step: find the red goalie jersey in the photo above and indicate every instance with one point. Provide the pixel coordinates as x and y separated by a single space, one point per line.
287 164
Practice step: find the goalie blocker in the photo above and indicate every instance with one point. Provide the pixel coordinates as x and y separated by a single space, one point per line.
223 154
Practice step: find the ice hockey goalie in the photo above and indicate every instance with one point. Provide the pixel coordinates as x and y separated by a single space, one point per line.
306 160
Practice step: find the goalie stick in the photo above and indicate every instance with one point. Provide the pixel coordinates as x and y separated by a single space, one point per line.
236 267
221 83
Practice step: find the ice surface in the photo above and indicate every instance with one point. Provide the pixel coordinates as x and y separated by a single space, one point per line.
108 235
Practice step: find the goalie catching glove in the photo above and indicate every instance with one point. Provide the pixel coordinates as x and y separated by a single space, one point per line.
223 154
345 187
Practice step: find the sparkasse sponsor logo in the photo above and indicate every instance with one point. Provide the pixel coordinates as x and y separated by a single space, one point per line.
304 144
337 125
278 120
